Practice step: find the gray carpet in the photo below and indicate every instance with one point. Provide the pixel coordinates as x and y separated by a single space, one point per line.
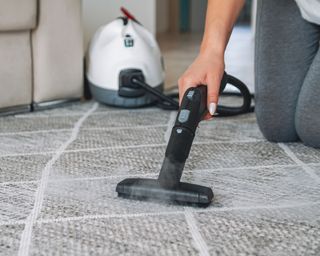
59 169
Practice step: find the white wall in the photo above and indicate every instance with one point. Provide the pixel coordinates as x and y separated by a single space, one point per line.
100 12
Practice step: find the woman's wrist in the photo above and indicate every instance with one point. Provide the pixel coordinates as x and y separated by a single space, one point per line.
212 50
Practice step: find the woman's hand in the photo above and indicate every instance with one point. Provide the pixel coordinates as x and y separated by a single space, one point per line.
207 69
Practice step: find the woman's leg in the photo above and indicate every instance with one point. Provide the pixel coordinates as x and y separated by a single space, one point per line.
285 48
308 108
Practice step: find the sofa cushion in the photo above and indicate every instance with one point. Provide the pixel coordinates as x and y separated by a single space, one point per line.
15 69
58 51
18 14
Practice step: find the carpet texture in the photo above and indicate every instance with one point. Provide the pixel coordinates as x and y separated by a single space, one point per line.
59 169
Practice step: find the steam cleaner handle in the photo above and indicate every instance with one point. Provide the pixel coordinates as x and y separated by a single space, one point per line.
194 105
192 110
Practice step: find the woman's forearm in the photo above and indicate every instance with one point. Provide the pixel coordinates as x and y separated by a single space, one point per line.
221 16
208 67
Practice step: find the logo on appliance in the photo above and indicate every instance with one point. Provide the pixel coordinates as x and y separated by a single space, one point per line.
128 41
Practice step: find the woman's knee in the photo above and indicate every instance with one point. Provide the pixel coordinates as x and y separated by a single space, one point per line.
307 111
308 128
280 67
275 126
307 119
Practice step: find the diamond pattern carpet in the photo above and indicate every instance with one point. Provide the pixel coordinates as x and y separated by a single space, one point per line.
59 169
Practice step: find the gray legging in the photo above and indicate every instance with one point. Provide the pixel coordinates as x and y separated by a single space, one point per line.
287 71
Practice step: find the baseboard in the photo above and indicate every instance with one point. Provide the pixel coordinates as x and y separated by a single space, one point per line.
36 106
15 110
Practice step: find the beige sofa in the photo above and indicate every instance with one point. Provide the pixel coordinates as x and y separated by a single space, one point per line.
41 53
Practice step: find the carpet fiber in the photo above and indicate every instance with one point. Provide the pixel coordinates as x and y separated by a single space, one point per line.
59 169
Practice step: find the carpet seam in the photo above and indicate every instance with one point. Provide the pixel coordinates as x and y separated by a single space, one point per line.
84 129
294 158
26 235
150 214
199 241
132 147
150 174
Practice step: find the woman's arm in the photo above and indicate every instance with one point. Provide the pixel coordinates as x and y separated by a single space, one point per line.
208 67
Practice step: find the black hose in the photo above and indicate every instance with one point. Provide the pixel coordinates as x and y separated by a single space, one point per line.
167 102
245 93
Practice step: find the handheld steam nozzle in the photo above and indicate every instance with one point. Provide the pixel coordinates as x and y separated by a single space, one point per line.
193 108
168 186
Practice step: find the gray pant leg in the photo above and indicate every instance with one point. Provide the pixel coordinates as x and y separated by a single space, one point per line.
308 108
285 48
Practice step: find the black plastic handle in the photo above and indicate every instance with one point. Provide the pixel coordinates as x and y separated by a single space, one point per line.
193 108
194 104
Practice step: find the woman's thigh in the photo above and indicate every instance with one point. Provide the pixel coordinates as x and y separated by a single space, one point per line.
285 48
308 108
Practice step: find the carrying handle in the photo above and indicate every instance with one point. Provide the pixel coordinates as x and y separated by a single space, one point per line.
129 15
245 93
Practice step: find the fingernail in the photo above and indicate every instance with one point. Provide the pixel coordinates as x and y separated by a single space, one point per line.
212 108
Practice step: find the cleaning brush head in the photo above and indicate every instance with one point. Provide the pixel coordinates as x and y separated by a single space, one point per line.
168 186
151 189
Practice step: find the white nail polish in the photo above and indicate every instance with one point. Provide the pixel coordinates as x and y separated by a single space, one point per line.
212 108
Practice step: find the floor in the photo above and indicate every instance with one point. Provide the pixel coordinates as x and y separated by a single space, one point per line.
59 169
